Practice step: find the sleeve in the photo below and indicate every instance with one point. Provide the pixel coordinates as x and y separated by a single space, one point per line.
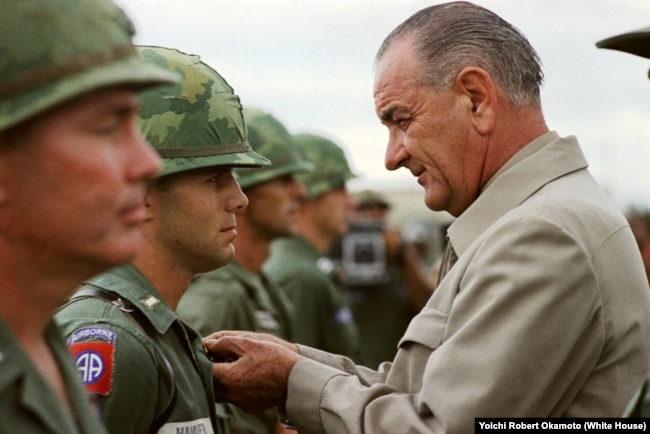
116 364
365 375
520 336
212 304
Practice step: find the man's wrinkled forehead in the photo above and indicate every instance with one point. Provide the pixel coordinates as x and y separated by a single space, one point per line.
395 74
397 55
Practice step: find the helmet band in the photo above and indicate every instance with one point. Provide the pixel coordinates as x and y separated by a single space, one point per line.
203 151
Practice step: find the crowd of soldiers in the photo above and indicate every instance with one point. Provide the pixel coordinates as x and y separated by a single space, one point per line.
210 272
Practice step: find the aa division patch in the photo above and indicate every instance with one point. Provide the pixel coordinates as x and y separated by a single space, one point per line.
93 349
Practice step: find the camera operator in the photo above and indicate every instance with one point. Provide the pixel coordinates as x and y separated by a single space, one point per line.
384 275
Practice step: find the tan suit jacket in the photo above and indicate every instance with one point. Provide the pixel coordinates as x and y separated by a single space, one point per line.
546 313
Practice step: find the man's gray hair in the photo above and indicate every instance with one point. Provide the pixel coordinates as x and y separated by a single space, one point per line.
451 36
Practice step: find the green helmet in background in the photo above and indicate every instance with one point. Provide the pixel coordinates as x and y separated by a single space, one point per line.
54 50
331 166
270 138
196 123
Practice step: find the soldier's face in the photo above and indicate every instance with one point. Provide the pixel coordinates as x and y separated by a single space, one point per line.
332 211
73 181
274 206
193 218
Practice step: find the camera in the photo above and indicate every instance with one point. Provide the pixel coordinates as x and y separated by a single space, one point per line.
363 254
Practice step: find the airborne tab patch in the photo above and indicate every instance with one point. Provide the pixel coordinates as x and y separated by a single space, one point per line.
93 349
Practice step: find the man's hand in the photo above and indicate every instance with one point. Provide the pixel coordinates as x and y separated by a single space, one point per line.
255 371
263 337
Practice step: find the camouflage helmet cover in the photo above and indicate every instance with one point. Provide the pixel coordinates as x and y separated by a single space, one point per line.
270 138
196 123
635 42
331 166
54 50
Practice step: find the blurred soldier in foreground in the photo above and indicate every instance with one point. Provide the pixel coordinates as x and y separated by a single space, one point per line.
73 168
636 42
300 264
154 373
239 296
542 306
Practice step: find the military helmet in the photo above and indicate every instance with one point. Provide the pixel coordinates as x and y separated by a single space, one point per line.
371 199
55 50
331 166
635 42
270 138
197 122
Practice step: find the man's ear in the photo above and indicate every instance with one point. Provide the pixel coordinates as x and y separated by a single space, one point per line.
478 85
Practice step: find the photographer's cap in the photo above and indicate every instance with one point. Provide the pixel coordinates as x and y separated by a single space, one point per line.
55 50
636 42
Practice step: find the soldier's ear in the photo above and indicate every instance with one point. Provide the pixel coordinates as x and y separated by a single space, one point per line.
149 201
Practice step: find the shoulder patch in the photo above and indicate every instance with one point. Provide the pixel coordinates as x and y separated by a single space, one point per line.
93 349
342 315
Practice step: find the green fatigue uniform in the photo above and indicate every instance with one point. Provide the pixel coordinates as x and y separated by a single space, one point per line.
382 313
322 314
28 403
113 351
231 298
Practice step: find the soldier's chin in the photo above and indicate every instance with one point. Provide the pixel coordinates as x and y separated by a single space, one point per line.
223 258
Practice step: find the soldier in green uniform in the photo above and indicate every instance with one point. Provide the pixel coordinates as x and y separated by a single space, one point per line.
71 164
636 42
239 296
146 367
300 264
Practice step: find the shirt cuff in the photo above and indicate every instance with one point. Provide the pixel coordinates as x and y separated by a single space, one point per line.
307 381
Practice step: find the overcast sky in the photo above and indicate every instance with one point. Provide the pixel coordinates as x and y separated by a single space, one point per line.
309 63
